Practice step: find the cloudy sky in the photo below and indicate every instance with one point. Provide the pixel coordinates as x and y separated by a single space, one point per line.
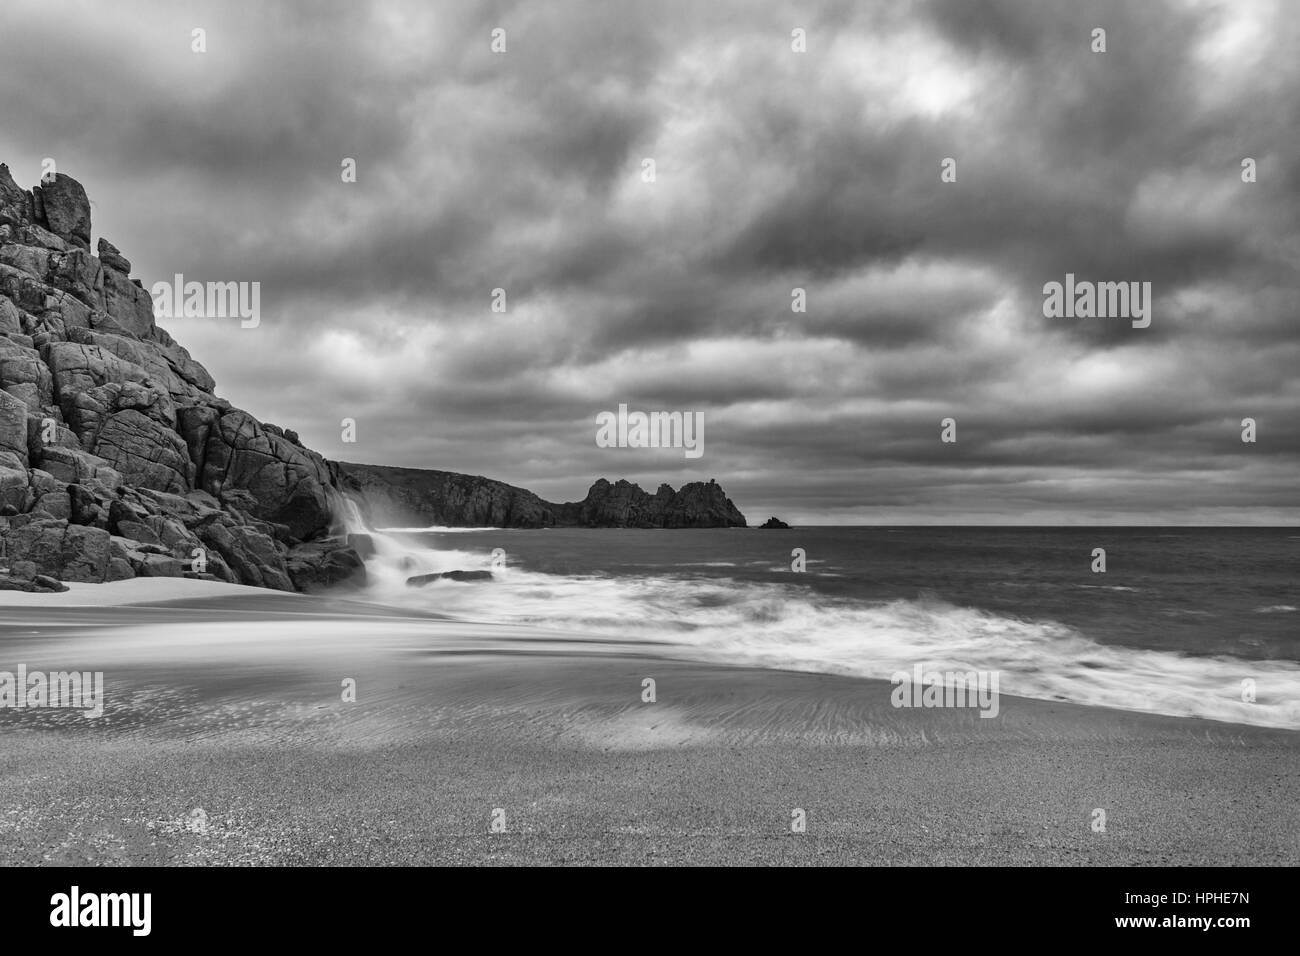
774 170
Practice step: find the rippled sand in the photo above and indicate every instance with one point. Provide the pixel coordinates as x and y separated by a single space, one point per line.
229 700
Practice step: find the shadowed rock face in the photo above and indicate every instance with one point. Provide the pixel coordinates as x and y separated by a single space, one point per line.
116 457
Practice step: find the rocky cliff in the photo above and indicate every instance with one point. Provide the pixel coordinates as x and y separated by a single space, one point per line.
116 457
414 497
394 497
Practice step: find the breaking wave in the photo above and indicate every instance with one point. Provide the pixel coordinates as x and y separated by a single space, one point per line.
785 627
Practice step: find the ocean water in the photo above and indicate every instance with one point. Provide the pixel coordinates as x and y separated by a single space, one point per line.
1180 618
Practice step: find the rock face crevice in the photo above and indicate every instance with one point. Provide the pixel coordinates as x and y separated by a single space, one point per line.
117 459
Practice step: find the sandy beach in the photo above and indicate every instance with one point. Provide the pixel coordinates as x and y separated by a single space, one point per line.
229 700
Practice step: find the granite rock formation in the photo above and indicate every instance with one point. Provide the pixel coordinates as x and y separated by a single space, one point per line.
117 459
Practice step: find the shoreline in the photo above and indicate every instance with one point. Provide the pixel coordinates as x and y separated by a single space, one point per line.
455 720
185 598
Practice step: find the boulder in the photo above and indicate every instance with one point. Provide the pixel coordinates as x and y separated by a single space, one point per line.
424 580
328 563
40 541
85 554
128 306
66 209
112 259
251 555
41 584
158 566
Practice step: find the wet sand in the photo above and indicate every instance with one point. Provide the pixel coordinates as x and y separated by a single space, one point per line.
230 700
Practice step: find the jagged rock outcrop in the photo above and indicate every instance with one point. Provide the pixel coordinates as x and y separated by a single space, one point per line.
414 497
622 504
116 457
774 524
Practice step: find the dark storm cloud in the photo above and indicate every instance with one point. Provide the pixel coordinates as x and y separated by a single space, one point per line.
774 171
